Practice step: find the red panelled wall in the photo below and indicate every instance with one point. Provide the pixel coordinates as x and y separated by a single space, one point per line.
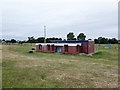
72 50
45 49
85 48
37 48
90 47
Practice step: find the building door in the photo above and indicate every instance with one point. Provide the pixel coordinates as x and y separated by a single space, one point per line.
59 49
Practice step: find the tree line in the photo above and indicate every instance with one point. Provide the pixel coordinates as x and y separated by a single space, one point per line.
102 40
41 40
70 36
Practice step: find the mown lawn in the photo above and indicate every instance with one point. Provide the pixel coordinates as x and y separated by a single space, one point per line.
51 70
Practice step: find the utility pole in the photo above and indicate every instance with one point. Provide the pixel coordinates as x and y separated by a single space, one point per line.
45 34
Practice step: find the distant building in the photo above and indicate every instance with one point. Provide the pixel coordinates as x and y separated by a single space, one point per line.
67 47
3 42
118 41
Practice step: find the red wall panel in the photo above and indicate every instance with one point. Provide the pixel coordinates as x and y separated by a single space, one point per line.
84 48
71 50
90 47
37 48
46 49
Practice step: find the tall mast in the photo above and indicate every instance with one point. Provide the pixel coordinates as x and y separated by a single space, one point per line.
45 34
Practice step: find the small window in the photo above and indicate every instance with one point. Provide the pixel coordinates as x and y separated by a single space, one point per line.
77 48
66 48
48 47
40 46
52 47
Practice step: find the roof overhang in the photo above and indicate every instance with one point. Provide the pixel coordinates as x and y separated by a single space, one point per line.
59 44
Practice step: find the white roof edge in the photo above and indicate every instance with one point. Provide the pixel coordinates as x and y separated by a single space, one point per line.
60 44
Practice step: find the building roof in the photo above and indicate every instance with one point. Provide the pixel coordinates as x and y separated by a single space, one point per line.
59 44
70 41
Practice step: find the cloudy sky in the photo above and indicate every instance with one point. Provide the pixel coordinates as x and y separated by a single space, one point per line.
24 18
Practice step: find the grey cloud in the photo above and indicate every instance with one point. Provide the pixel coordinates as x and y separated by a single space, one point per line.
28 19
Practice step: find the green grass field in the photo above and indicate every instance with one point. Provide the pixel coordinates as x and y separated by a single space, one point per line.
39 70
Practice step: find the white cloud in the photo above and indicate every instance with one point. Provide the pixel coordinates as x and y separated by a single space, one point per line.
58 1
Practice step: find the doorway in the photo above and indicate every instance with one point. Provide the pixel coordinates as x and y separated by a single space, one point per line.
59 49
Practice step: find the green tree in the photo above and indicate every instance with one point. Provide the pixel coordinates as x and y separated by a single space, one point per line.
53 39
81 36
31 39
89 39
104 41
40 40
3 40
13 41
96 41
71 36
113 41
